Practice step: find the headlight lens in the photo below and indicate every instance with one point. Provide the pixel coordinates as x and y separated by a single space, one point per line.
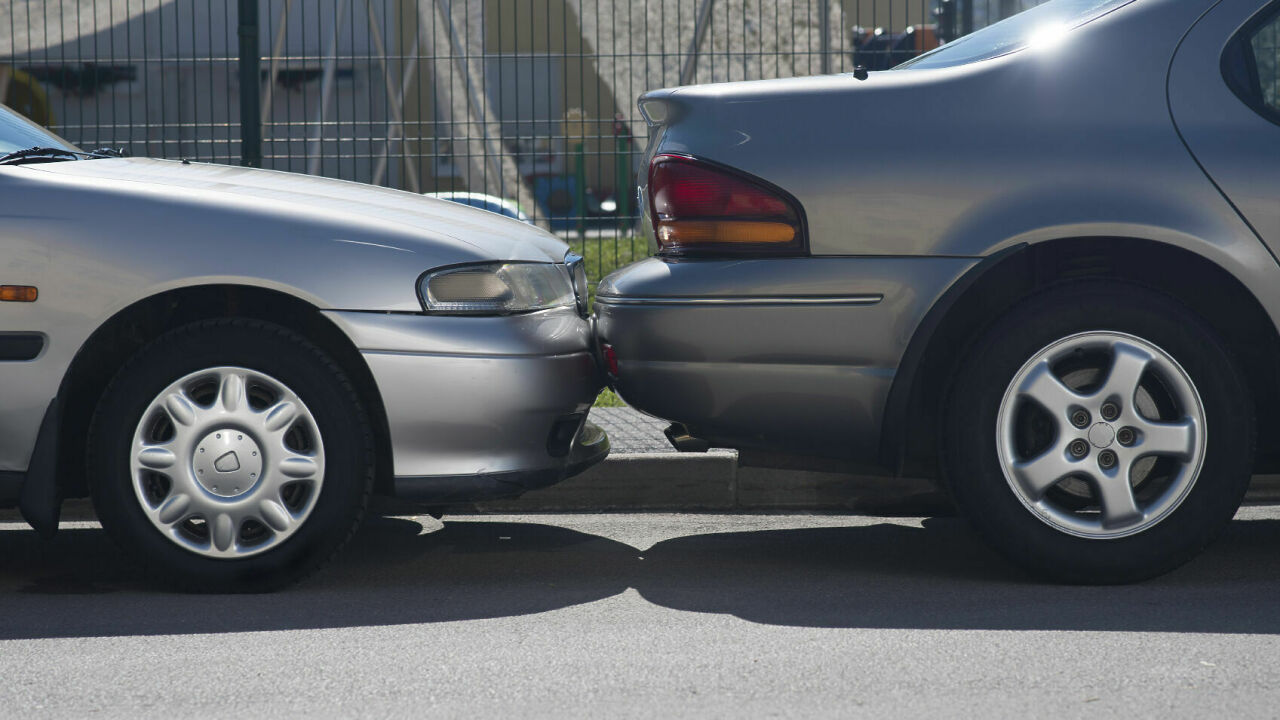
497 288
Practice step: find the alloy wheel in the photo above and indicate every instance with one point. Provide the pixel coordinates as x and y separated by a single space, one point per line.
1101 434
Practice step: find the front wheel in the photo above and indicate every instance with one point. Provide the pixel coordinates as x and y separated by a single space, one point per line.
1098 433
230 455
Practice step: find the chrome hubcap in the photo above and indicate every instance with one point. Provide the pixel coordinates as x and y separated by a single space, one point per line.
227 462
1125 470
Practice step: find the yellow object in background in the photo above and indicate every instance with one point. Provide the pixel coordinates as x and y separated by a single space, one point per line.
23 93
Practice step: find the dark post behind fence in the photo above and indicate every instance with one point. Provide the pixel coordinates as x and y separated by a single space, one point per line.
250 109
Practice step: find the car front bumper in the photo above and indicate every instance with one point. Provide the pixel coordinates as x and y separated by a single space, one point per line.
482 407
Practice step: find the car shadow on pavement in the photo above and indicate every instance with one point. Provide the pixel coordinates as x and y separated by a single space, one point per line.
940 576
883 575
394 572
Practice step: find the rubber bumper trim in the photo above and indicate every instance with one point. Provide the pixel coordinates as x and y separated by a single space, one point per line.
590 447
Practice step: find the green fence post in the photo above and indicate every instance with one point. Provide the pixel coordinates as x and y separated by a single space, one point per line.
250 104
580 176
622 183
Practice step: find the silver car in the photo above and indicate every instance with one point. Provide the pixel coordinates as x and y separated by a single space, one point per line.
229 361
1038 262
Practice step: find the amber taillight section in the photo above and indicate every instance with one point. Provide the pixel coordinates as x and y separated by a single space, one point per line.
700 208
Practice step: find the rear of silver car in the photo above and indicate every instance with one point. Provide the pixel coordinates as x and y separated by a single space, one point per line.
1005 265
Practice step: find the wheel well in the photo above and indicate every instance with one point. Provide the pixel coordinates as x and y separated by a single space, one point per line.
1203 286
112 344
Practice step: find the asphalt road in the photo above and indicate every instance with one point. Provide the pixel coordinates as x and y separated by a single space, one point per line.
636 615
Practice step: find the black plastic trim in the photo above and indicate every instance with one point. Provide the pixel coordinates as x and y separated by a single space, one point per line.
21 346
41 500
10 487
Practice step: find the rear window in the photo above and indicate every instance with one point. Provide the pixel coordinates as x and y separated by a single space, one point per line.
1046 22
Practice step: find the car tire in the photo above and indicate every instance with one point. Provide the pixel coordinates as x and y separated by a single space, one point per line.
230 455
1179 430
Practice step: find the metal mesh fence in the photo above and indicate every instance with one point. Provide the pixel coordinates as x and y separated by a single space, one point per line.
527 100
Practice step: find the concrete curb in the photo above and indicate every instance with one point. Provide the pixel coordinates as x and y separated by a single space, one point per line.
712 482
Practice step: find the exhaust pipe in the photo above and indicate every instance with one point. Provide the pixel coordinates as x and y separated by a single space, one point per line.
679 437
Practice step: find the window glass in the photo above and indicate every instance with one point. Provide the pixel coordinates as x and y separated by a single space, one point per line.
19 133
1265 44
1043 21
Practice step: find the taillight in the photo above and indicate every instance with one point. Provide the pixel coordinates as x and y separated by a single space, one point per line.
700 208
610 359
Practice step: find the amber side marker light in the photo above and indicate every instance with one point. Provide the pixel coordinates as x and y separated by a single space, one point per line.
700 208
18 293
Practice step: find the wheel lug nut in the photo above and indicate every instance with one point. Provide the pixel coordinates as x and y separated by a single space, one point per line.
1110 411
1106 459
1079 448
1125 436
1080 418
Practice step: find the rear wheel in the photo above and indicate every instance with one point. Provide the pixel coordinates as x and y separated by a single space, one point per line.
1098 433
230 455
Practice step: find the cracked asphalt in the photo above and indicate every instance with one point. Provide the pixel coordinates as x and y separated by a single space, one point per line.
639 615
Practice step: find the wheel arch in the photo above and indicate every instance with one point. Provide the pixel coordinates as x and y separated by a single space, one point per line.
913 408
131 328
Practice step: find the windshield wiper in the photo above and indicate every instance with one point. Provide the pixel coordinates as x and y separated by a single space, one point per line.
52 154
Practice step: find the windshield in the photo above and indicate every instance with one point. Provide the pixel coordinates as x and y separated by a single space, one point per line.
1048 22
19 133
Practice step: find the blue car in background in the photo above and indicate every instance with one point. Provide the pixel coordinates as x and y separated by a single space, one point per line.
485 202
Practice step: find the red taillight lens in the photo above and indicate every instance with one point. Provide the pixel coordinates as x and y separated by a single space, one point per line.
701 208
610 359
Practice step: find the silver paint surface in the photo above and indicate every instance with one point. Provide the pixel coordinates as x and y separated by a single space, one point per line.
907 180
98 236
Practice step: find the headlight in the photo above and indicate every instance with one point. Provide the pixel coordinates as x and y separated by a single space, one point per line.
497 288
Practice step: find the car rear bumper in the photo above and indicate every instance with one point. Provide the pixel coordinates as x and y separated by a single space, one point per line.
794 354
482 407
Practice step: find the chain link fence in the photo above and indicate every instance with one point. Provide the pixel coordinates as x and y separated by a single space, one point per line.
528 100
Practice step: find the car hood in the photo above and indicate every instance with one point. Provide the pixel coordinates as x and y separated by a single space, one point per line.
409 218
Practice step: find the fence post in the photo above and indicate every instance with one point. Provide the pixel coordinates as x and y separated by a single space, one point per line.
250 110
824 42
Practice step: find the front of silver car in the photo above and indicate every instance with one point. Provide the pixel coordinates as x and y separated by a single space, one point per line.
460 336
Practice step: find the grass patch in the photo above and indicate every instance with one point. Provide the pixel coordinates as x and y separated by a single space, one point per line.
603 255
608 398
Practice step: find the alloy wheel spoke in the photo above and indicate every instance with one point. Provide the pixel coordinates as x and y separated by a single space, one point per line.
1046 389
174 508
223 532
181 410
156 457
280 417
1127 366
232 394
298 467
1115 494
1177 440
1037 475
274 515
